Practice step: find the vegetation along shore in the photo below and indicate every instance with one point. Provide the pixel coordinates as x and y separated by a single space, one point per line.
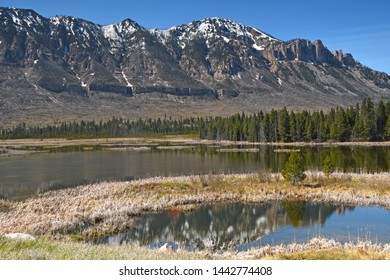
99 209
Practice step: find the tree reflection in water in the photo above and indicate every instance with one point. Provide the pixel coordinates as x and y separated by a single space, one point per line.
225 226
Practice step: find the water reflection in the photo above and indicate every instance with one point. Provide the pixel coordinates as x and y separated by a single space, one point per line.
242 226
21 177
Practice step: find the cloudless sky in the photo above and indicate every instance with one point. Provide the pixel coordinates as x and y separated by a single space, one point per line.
358 27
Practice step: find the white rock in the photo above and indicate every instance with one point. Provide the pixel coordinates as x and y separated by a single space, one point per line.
166 248
20 236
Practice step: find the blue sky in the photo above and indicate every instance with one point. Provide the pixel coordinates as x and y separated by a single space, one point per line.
359 27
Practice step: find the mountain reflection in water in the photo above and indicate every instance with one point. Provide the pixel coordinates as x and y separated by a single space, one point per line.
229 226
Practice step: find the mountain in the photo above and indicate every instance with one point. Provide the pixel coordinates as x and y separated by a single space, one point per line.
64 68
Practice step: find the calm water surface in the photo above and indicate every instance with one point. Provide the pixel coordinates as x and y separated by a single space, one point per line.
244 226
21 177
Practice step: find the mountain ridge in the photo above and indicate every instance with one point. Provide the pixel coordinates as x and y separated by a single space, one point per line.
213 64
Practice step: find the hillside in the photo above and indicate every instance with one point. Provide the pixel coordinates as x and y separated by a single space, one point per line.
64 68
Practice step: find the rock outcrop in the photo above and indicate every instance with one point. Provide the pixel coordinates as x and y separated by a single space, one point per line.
45 59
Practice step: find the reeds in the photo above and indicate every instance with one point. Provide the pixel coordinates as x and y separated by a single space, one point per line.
109 207
318 248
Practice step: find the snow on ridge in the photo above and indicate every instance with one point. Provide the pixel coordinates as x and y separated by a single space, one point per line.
30 20
162 34
126 79
257 47
110 32
214 27
55 20
116 32
126 26
265 35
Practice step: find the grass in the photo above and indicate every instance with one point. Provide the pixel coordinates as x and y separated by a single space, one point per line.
179 185
333 254
44 249
60 218
109 207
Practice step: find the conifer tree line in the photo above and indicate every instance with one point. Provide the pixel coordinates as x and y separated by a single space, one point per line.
362 122
115 127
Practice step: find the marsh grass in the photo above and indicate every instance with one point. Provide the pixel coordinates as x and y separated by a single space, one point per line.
111 207
264 176
5 206
179 185
333 254
211 180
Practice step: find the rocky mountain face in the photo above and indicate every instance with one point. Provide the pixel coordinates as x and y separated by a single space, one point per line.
74 68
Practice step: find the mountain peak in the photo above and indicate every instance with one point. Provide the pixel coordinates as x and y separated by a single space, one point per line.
227 28
214 57
20 17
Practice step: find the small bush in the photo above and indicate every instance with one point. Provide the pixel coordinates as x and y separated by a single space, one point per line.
211 180
328 166
264 176
204 181
294 170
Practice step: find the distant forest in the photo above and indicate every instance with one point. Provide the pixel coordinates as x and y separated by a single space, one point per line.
362 122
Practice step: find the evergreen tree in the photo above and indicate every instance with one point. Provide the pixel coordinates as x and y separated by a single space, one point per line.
328 166
368 119
357 132
294 170
284 125
293 127
387 129
381 119
340 131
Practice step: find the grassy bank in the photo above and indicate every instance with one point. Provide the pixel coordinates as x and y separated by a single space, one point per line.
109 207
46 249
315 249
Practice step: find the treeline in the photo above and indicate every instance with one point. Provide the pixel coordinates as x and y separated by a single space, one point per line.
363 122
115 127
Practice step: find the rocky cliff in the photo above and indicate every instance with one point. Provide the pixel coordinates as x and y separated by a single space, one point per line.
217 63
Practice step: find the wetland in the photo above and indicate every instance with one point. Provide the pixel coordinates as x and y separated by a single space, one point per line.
148 193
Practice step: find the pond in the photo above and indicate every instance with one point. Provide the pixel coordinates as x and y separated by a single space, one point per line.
243 226
60 167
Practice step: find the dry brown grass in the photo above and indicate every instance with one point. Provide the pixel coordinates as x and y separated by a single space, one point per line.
317 249
108 207
334 254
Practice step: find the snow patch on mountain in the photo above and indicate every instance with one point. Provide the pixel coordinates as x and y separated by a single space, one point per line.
211 29
257 47
126 79
111 32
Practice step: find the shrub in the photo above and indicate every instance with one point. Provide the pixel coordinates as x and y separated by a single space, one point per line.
294 170
264 176
328 166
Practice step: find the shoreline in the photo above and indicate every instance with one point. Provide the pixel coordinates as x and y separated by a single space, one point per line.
174 139
22 147
68 215
110 207
314 249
